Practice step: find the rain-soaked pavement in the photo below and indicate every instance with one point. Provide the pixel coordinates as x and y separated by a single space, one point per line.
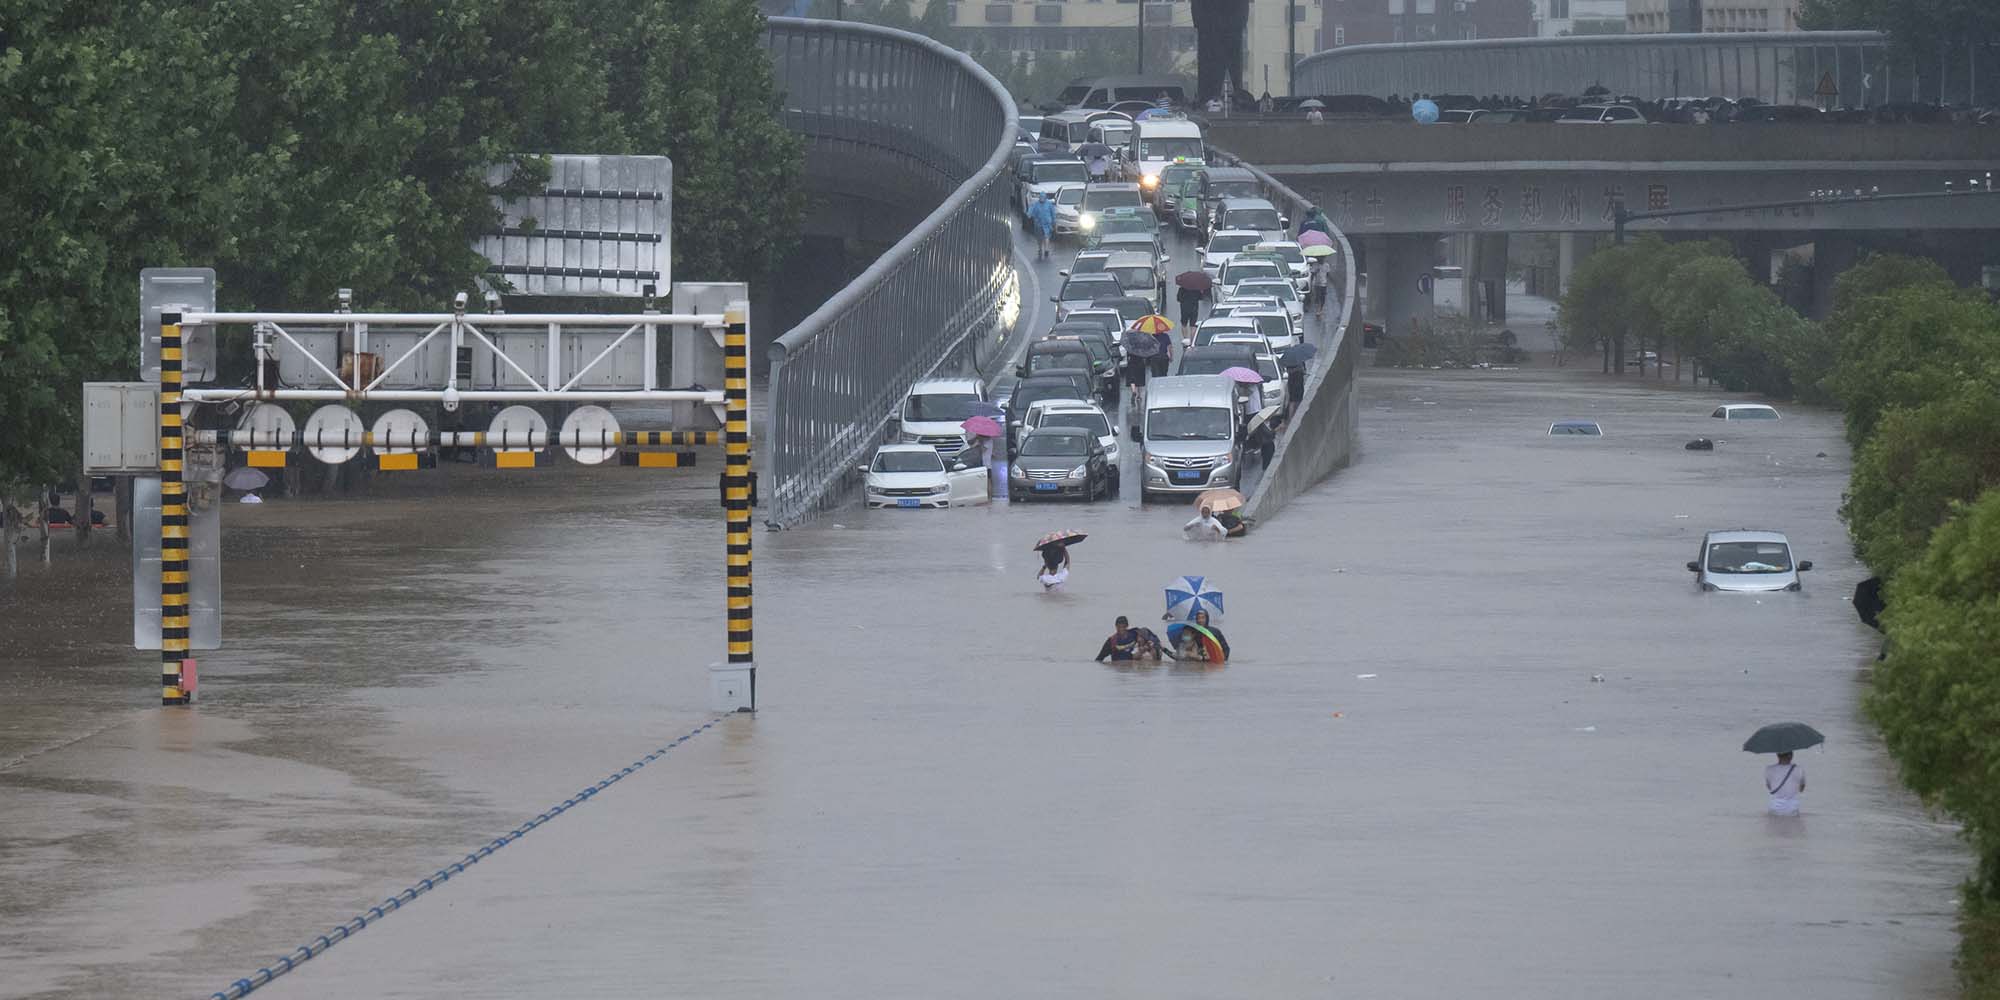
1405 785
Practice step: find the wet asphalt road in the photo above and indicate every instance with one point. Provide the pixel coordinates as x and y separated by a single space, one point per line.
942 795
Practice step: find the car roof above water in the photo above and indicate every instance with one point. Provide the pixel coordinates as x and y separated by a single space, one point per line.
1745 535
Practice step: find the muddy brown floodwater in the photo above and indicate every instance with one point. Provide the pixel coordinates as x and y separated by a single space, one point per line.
1406 785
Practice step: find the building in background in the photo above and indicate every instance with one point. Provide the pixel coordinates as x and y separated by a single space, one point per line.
1361 22
1035 29
1265 42
1558 18
1654 16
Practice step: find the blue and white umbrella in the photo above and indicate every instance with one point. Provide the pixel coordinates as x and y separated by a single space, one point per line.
1190 594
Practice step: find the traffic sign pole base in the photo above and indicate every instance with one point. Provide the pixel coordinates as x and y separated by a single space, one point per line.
732 687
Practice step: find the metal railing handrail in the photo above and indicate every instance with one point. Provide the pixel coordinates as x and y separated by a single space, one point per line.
965 192
920 115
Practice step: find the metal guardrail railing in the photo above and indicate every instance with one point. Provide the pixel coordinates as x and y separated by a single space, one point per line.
874 92
1778 67
1321 434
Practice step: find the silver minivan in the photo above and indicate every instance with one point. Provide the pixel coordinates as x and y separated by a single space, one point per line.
1743 560
1187 435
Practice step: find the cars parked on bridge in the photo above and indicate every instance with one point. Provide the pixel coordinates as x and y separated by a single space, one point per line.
1224 245
1254 215
1059 462
1187 436
1045 175
933 411
1602 114
912 475
1085 416
1745 411
1051 385
1069 201
1080 290
1747 561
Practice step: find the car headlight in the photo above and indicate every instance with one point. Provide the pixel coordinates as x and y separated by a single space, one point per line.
944 488
1087 221
1016 472
1150 180
1079 472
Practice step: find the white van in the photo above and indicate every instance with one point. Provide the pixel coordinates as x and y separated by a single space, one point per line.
1158 141
1187 437
934 410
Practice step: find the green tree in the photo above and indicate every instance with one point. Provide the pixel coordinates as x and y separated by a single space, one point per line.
1937 701
304 145
1916 467
1908 346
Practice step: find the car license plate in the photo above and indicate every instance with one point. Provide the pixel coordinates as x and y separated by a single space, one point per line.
906 501
1189 475
1047 487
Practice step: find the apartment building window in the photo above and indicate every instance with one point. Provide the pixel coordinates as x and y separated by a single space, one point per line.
1340 34
1425 6
999 13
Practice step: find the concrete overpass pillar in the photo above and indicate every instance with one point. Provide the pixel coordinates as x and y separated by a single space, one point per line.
1832 254
1404 283
1374 254
1486 277
1571 248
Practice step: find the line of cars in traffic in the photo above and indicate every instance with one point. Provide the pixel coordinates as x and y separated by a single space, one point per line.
1058 408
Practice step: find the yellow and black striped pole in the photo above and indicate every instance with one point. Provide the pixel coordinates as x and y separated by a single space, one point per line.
736 487
174 689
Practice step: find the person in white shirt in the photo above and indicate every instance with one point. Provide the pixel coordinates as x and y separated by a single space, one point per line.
1785 781
1205 528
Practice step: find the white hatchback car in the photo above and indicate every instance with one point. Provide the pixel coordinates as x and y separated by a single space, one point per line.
1747 562
912 475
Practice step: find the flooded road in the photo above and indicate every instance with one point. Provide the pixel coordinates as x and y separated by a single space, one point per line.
1405 785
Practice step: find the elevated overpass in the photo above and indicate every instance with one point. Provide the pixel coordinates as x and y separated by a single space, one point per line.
906 141
1397 186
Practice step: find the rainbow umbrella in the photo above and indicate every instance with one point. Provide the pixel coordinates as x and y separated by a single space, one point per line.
1154 323
1317 249
1065 538
1204 639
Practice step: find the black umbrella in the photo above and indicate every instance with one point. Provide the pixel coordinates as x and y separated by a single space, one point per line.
1141 345
1059 538
1783 737
1868 602
1198 281
1297 355
1091 150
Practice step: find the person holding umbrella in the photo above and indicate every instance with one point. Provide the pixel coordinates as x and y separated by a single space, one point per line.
1194 287
1054 548
1140 349
1784 781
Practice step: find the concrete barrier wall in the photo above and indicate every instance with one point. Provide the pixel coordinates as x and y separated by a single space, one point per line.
1322 435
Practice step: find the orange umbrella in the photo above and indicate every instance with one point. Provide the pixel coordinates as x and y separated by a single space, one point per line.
1155 323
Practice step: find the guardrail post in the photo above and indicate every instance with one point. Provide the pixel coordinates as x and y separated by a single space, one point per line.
733 685
176 667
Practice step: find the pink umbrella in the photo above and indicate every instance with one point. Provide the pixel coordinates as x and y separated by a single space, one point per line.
1314 238
1241 374
983 426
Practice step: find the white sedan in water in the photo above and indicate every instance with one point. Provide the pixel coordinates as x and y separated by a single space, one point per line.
912 475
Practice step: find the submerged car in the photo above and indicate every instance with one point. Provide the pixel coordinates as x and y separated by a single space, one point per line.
1575 428
912 475
1747 561
1745 411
